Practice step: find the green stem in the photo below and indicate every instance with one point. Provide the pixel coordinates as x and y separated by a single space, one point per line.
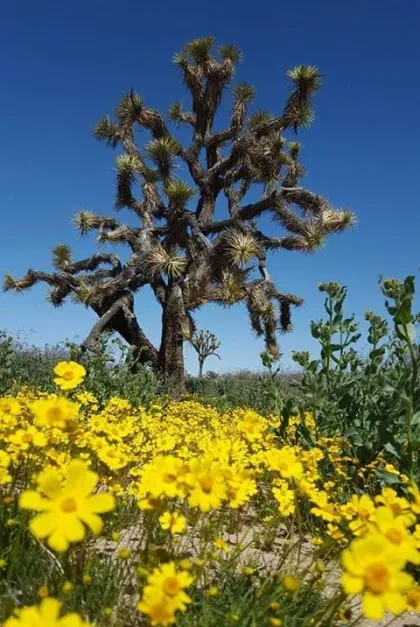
410 399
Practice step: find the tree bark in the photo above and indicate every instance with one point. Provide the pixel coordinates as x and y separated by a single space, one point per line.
200 368
171 353
120 317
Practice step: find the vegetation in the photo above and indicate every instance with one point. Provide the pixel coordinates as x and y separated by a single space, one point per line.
206 345
180 247
125 508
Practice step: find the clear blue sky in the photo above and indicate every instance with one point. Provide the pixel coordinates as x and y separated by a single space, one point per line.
65 64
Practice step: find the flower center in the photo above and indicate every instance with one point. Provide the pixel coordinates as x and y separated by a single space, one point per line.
394 535
364 513
69 505
206 484
376 578
54 414
67 375
396 508
169 477
171 586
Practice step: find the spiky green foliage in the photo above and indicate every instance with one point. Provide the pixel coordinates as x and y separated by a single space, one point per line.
8 282
85 221
306 81
185 252
179 193
229 52
244 93
129 108
240 247
163 151
200 50
161 261
61 256
106 131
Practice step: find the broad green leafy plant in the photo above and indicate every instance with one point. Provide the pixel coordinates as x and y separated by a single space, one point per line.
373 400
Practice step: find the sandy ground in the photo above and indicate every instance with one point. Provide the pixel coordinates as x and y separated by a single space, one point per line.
130 538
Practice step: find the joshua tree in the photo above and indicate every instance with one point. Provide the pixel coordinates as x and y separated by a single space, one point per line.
180 247
205 344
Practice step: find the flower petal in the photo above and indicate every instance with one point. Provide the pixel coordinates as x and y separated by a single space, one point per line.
58 541
33 500
43 525
93 521
351 585
394 602
100 503
373 606
80 479
73 528
49 610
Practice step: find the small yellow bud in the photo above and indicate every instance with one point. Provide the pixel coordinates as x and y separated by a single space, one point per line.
43 592
87 579
274 605
275 621
124 553
290 583
234 618
186 564
248 570
67 587
115 535
319 566
107 611
2 563
142 572
199 562
213 591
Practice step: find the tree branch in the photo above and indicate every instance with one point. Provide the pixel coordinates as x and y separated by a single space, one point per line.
92 339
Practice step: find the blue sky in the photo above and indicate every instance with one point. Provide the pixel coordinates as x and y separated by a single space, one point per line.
65 64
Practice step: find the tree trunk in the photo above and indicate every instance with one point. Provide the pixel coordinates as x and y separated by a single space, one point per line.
200 368
171 353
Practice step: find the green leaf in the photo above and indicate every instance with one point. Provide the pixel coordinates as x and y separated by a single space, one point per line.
390 448
377 353
409 285
404 315
388 478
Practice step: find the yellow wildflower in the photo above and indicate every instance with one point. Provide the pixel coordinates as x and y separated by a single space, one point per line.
207 488
55 412
44 615
394 528
373 568
173 522
69 374
9 406
66 507
164 594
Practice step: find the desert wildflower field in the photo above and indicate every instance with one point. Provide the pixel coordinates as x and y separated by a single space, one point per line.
117 512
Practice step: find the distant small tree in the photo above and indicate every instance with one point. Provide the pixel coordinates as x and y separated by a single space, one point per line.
180 245
206 345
